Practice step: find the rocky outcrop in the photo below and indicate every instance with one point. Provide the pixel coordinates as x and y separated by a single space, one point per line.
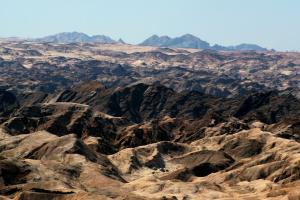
8 104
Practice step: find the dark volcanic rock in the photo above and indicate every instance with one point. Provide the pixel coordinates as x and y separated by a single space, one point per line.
8 103
13 172
269 107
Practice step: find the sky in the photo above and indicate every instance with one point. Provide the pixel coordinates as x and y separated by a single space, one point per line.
269 23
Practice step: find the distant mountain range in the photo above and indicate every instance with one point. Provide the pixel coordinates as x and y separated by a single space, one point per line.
184 41
71 37
191 41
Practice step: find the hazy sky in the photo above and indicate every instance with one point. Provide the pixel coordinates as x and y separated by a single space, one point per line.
270 23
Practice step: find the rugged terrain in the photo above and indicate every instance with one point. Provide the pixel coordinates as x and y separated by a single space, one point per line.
48 67
116 121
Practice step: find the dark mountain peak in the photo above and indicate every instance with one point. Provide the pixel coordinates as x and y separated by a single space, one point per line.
165 37
249 47
154 37
159 37
102 39
121 41
189 36
156 40
72 34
